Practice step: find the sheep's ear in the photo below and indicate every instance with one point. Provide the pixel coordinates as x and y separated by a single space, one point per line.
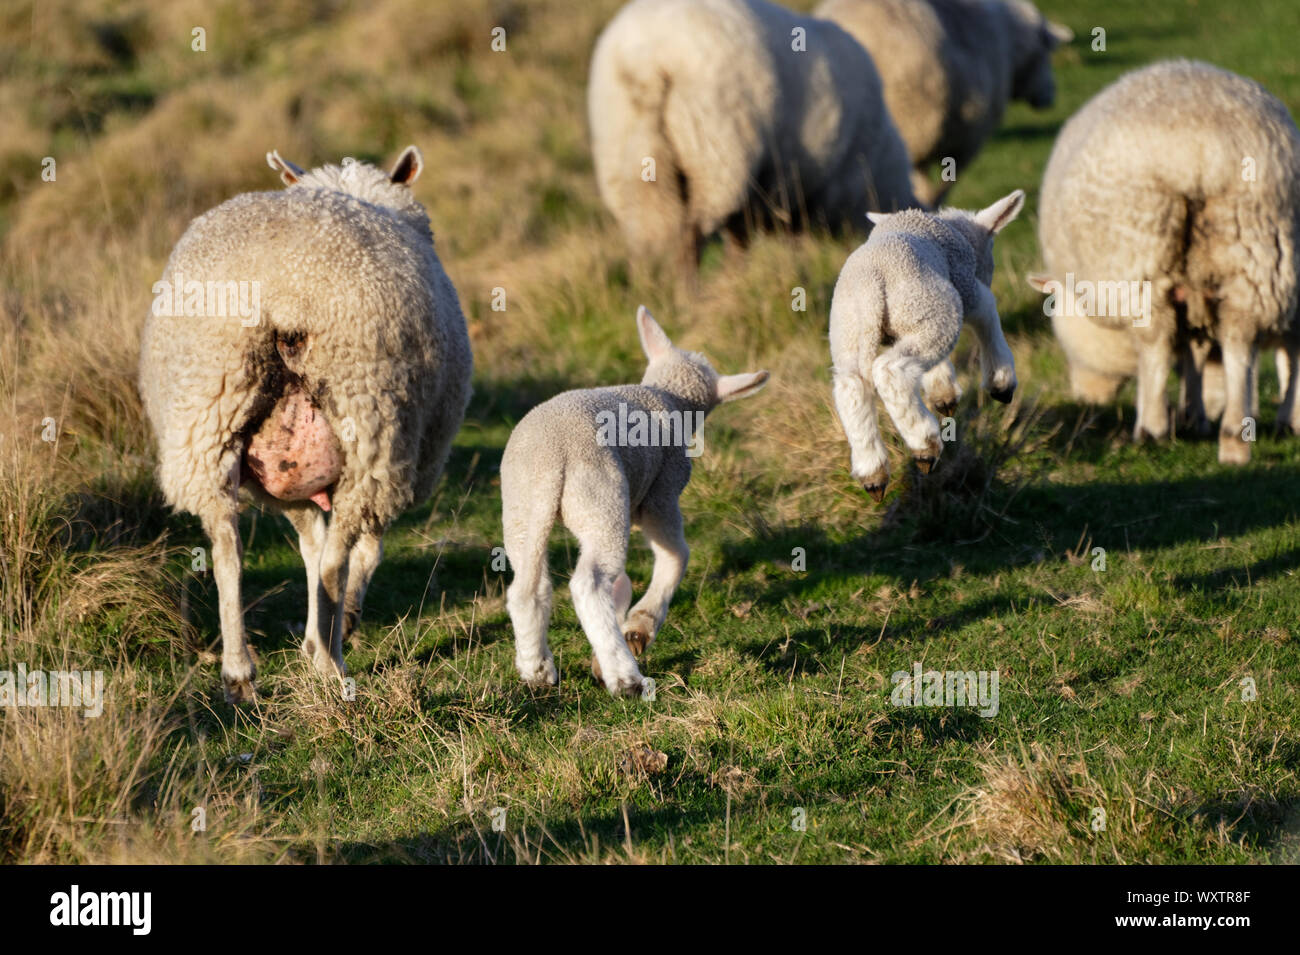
1059 34
289 173
996 216
1039 281
731 387
408 168
654 342
878 217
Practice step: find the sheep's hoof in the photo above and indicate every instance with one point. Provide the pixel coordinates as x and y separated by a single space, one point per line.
239 691
1232 449
1003 395
877 491
924 463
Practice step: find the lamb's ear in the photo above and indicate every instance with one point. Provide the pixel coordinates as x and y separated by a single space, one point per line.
289 173
1039 281
996 216
731 387
878 217
654 342
408 167
1060 34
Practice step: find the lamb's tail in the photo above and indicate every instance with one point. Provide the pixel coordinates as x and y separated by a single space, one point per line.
637 169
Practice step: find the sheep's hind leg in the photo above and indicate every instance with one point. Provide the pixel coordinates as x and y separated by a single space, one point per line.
897 374
1234 438
332 594
662 527
366 554
1288 387
222 527
855 403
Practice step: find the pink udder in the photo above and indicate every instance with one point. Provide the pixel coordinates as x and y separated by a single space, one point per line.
294 455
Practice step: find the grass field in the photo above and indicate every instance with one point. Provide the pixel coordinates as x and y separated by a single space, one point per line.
772 737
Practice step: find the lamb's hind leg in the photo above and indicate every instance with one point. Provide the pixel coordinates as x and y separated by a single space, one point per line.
897 374
855 403
528 599
941 389
662 526
309 521
221 524
602 532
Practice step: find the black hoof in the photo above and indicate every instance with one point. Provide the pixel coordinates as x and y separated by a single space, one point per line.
1004 396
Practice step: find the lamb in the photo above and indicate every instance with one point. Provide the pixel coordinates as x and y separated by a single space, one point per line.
949 68
341 392
1180 182
914 281
575 457
707 114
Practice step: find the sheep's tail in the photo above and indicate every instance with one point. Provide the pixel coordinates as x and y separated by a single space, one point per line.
638 172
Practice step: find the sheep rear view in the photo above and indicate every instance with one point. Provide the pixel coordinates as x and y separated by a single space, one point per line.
339 388
707 114
1178 184
602 460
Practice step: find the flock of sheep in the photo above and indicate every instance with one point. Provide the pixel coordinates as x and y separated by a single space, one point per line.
1178 186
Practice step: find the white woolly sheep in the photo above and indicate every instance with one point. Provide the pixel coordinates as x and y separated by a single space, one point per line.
601 460
1180 184
914 282
340 390
747 114
949 68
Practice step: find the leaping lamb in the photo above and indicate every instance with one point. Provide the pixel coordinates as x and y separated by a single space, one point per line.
337 387
601 460
896 315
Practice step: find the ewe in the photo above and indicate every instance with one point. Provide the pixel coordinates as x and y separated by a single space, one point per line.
1181 181
713 113
912 283
949 68
601 460
341 392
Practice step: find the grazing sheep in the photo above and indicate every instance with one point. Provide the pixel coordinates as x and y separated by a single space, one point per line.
341 392
746 114
949 67
567 459
913 283
1180 184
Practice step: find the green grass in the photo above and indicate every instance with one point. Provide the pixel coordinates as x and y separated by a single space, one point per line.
1120 689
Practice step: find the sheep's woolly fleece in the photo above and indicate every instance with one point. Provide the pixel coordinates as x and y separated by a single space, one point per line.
747 110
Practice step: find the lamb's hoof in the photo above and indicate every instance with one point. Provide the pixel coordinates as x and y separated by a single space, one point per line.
1232 449
1143 436
628 686
639 633
946 409
1003 395
239 691
875 484
924 463
541 675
